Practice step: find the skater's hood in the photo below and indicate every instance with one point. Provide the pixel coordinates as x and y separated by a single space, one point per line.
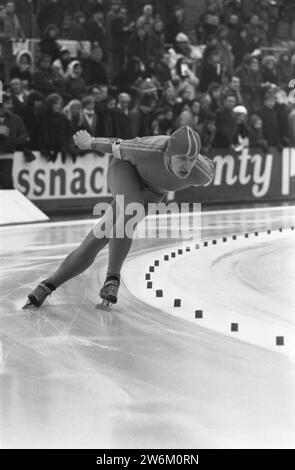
184 141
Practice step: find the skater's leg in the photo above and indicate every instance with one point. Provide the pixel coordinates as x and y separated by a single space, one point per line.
129 185
81 258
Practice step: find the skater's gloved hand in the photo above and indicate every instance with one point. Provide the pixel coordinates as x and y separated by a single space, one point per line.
83 140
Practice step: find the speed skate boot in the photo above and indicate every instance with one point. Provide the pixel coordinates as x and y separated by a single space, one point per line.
109 294
39 294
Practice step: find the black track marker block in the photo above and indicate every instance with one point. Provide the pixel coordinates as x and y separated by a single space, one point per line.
246 235
166 258
256 234
234 237
197 246
292 228
180 252
157 262
147 277
234 327
280 341
149 285
177 303
205 243
280 229
269 232
224 239
159 293
152 269
173 255
187 248
198 313
214 242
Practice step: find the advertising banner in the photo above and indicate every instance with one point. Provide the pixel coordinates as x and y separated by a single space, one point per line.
248 176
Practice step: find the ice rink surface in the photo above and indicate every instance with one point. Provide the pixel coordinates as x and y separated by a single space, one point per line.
141 376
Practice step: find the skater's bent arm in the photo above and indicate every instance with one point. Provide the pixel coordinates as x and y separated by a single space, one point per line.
105 145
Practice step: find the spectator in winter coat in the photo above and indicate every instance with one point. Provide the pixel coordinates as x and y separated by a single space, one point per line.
282 110
23 68
10 27
54 131
18 96
269 72
137 45
62 64
77 29
207 131
141 116
285 70
256 134
122 116
45 79
73 111
249 74
48 43
174 25
92 66
32 117
50 13
89 118
13 135
96 32
120 31
270 124
212 72
75 85
146 20
226 123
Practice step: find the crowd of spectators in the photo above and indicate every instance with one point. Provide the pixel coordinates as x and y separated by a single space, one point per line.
143 74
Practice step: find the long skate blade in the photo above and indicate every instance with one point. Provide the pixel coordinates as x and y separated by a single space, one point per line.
105 305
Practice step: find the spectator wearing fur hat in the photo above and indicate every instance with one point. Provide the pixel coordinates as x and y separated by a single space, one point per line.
24 67
75 85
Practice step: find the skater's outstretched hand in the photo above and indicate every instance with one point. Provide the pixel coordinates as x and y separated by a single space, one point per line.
83 140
